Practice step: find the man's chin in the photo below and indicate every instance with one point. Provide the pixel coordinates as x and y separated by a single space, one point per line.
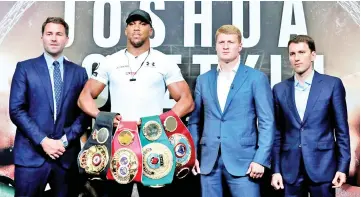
137 44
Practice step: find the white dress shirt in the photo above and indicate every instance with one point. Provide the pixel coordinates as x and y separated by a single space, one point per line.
301 94
224 83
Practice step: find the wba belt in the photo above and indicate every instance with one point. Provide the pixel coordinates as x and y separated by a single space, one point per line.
182 142
126 162
93 159
158 154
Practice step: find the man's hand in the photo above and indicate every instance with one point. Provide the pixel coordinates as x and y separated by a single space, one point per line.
196 169
339 180
53 148
277 181
116 120
255 170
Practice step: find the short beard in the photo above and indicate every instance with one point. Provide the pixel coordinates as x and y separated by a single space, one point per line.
137 44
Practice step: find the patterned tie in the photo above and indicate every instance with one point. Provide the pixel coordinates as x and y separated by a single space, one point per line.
58 84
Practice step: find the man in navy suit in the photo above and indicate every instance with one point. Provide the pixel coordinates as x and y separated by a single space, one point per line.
43 106
229 102
312 145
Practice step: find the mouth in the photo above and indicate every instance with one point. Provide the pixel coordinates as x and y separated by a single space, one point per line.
136 35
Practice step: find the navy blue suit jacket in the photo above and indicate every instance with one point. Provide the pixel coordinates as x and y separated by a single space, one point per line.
321 139
32 111
234 130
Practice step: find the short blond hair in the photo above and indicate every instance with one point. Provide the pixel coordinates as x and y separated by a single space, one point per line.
229 29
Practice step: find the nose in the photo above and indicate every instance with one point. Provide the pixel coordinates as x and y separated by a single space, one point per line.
225 46
53 37
136 26
297 57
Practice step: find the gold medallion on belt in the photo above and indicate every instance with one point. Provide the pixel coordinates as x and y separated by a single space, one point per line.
124 165
95 159
152 130
157 160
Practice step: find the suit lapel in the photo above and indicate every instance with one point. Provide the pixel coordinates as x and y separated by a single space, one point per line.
213 87
42 69
237 83
67 79
292 102
315 91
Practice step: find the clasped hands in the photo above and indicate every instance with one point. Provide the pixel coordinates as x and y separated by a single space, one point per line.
53 148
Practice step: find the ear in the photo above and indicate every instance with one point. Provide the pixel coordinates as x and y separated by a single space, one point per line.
67 40
151 32
240 47
125 31
313 56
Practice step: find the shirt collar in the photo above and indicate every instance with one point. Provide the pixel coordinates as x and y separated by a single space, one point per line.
234 69
308 81
141 56
50 60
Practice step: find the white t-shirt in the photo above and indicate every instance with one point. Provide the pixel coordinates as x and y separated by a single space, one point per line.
145 95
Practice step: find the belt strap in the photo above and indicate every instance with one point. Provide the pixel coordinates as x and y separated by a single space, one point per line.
94 157
182 142
126 162
158 154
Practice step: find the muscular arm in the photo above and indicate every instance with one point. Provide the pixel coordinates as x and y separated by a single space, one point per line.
180 92
86 102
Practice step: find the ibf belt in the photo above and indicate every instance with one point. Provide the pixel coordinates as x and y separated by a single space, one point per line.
158 154
182 142
126 162
94 157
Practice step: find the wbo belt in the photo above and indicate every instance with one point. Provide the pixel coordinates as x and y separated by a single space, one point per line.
93 159
182 142
126 162
158 154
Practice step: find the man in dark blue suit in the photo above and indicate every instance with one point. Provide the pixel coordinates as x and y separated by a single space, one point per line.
43 106
312 145
232 122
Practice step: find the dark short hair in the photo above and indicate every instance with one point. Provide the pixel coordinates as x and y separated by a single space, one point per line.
303 38
56 20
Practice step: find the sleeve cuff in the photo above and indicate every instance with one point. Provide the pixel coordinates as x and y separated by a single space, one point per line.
64 140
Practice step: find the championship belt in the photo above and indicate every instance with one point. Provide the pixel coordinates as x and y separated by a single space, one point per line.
94 157
158 154
126 162
182 142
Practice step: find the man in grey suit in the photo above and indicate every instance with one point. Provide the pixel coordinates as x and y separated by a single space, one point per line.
229 103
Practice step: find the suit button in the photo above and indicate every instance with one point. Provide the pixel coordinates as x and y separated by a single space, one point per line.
218 137
222 120
302 129
300 146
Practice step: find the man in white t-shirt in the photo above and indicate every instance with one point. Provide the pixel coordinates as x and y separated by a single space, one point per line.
138 77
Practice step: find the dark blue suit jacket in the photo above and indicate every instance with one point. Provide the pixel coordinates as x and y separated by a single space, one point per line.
235 130
312 139
32 111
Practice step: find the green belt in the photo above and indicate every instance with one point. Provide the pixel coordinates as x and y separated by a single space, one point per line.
94 157
158 154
